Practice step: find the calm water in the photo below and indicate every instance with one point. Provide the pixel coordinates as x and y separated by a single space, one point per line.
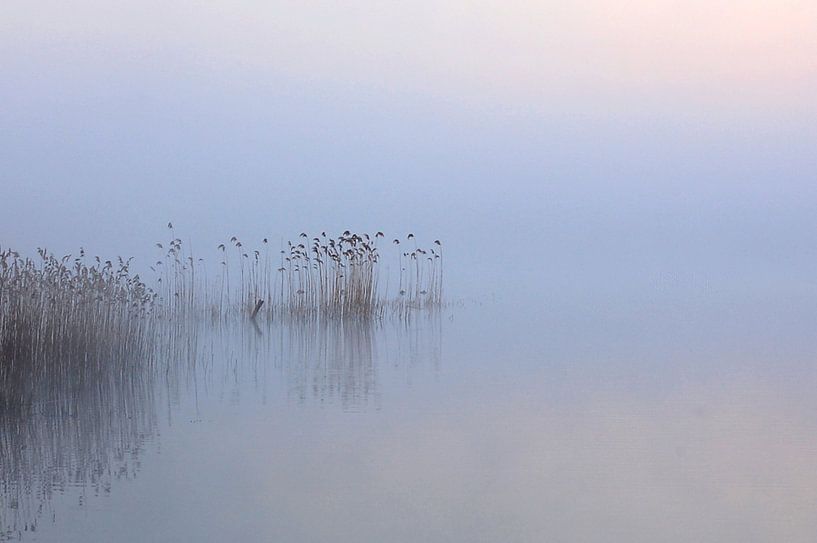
684 413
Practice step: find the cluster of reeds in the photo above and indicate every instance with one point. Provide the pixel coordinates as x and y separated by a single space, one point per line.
421 273
62 318
333 277
339 276
73 316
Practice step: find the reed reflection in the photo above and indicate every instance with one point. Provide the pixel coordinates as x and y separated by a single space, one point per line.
81 432
327 361
85 429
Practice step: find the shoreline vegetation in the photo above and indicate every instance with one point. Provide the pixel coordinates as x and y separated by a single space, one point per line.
319 276
76 319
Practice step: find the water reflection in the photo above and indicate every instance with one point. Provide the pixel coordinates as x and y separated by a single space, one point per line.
357 431
82 433
328 361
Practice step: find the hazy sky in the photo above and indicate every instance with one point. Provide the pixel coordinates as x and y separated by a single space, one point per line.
584 128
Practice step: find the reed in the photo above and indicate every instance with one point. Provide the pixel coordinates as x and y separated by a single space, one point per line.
61 317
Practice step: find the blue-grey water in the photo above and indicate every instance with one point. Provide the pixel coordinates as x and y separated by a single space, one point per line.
685 413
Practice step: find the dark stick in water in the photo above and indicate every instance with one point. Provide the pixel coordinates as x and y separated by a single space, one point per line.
255 311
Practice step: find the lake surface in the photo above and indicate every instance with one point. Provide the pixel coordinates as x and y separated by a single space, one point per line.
683 413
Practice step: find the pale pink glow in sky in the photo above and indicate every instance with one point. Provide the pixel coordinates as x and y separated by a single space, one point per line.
539 55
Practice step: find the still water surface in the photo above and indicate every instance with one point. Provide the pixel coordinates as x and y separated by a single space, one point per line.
676 416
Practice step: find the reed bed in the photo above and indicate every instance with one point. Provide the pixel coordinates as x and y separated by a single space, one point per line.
329 277
61 319
75 317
